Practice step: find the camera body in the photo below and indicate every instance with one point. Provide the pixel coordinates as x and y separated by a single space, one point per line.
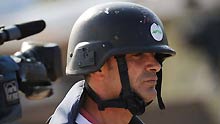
31 71
10 108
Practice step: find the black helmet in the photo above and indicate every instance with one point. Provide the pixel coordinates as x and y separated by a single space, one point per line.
114 29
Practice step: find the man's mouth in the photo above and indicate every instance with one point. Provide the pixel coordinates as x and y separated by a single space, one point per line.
152 81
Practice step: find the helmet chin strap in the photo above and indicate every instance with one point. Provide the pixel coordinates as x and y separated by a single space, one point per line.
135 104
127 98
158 88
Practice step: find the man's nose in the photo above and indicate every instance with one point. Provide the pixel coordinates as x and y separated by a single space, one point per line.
152 64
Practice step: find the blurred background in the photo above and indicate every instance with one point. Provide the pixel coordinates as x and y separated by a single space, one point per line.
191 79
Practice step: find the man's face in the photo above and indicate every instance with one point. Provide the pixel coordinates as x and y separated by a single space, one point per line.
142 68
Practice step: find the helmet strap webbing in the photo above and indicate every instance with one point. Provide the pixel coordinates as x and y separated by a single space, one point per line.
102 104
123 71
158 88
134 103
127 99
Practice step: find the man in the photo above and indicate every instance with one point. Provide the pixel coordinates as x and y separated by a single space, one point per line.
119 47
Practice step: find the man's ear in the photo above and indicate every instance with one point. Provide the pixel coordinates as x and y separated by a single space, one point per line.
98 75
102 72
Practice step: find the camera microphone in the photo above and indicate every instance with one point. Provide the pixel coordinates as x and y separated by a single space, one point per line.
19 31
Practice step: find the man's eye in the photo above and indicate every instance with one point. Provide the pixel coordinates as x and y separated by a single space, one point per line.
138 54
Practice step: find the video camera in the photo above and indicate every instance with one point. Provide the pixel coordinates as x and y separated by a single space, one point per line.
30 70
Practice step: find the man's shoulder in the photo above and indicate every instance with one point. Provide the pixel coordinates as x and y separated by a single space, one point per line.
77 87
68 109
75 92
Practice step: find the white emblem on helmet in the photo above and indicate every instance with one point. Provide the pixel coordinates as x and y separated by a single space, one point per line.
156 32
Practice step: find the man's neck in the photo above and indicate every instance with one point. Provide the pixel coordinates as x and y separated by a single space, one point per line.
108 116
